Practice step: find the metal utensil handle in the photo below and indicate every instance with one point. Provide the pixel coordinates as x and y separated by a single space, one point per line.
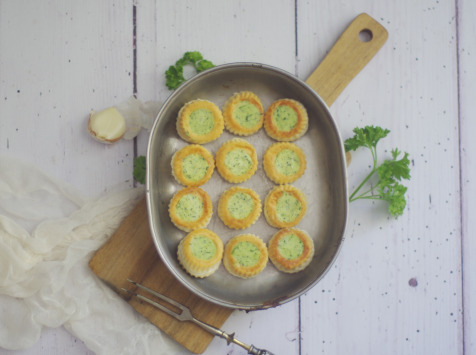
256 351
186 315
230 338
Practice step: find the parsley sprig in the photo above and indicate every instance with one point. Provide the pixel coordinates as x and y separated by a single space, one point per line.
174 75
139 169
387 187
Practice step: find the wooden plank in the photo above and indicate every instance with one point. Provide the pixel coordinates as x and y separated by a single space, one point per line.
467 88
396 286
150 68
58 62
130 254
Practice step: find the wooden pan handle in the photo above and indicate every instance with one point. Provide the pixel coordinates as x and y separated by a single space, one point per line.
349 55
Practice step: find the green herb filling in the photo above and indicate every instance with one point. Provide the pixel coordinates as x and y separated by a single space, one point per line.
287 162
246 254
285 118
246 114
201 121
194 167
203 247
240 205
288 208
238 162
290 246
189 208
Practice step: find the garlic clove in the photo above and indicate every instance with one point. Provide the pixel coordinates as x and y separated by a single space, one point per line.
107 126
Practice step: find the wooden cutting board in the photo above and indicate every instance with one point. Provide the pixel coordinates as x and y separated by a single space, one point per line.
131 253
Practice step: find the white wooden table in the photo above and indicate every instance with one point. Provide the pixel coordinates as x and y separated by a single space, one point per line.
399 286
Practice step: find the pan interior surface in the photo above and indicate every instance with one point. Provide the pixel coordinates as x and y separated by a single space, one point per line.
324 184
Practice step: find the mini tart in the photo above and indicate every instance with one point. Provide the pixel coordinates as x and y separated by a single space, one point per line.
291 250
192 165
200 252
284 206
239 207
284 162
245 256
243 113
190 209
200 122
236 160
286 120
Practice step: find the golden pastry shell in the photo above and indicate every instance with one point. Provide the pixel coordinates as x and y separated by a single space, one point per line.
245 271
286 136
269 163
229 117
235 143
181 154
271 201
183 127
295 265
198 267
225 215
202 222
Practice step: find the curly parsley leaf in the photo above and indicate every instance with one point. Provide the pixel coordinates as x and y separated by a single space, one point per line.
395 195
203 65
391 170
387 186
174 75
365 137
139 169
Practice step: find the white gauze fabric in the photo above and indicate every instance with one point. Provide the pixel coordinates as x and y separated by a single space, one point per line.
48 234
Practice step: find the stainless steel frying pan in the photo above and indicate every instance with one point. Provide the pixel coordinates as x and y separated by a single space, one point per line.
324 181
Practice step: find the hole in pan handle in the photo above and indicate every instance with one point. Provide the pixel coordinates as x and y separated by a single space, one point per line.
365 35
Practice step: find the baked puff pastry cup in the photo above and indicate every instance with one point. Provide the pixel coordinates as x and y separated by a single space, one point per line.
239 207
190 208
193 165
286 120
291 250
243 113
200 122
284 206
200 252
284 162
245 256
236 160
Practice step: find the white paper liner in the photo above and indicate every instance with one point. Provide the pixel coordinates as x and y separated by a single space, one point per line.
138 115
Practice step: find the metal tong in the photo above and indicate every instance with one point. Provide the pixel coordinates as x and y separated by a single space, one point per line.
185 315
